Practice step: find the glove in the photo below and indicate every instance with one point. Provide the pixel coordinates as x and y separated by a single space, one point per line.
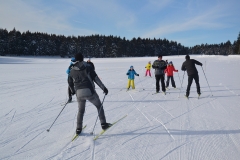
177 70
127 73
137 74
105 90
145 67
201 64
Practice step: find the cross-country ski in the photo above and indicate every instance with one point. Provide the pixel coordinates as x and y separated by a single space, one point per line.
103 131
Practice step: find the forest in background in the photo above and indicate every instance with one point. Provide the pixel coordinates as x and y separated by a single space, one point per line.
42 44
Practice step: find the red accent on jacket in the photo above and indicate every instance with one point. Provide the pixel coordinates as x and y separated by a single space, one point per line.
169 70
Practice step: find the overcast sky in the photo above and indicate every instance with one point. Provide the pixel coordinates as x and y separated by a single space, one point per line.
189 22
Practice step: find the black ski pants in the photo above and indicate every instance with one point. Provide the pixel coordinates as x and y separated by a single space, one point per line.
160 78
190 79
172 81
69 93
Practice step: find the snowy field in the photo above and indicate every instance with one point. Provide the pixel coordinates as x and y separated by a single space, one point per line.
168 127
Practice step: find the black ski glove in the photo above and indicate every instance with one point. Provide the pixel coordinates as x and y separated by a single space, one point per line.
137 74
127 74
105 91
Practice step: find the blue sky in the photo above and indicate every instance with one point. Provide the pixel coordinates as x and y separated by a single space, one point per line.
189 22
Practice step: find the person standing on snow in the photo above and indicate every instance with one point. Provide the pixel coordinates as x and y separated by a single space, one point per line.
89 62
189 66
148 68
70 93
159 65
169 71
131 72
81 78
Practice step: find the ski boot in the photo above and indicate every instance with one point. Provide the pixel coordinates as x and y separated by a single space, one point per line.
106 125
78 130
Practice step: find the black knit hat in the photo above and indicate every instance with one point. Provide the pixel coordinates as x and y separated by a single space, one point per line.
159 55
79 57
187 57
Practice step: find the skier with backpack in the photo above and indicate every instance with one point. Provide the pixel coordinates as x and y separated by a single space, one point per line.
81 79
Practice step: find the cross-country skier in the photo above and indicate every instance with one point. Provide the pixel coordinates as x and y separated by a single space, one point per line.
169 71
189 66
81 80
148 68
131 72
91 63
70 93
159 65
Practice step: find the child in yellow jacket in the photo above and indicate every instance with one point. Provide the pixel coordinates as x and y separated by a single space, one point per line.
148 68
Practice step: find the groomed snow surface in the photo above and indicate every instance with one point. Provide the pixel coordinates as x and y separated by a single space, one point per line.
33 91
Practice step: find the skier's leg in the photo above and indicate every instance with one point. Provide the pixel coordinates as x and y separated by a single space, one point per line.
173 82
94 99
128 84
167 82
81 110
196 78
157 83
133 85
163 83
146 72
190 79
150 73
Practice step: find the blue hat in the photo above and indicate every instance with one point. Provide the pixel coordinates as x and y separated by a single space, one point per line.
170 62
131 66
73 59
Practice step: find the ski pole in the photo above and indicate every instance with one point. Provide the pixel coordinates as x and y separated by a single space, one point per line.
98 114
181 85
141 82
179 78
206 80
57 117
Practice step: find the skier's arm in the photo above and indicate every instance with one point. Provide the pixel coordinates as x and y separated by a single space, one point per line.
136 73
165 71
69 68
154 65
174 69
96 79
197 62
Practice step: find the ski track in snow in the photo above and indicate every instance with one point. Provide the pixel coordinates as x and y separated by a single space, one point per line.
157 127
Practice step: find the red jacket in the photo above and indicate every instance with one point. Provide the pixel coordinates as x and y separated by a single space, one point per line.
169 70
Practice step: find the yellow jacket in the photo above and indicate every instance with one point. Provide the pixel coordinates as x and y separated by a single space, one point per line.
148 66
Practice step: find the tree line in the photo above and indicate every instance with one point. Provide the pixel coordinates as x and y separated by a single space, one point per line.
42 44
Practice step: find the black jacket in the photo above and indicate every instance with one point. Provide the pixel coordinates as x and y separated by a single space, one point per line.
159 67
82 76
189 65
91 64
